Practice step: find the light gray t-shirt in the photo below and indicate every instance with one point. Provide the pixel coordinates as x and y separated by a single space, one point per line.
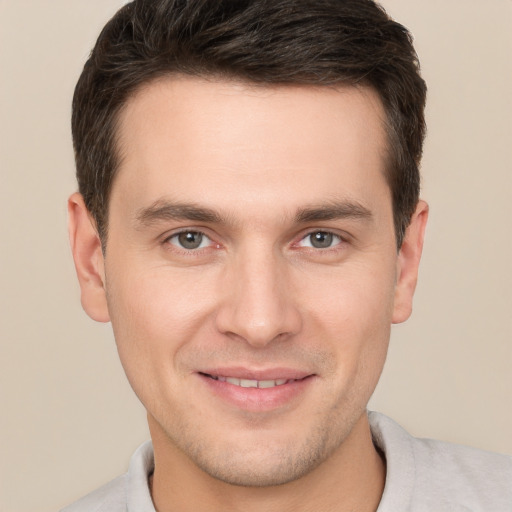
422 475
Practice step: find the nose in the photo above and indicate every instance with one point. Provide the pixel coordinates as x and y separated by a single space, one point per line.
259 304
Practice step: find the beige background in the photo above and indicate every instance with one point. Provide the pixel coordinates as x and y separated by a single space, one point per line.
69 421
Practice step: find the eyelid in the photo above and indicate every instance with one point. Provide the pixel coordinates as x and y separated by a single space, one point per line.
343 238
166 239
308 236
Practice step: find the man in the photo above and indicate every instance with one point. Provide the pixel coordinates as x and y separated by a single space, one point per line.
249 221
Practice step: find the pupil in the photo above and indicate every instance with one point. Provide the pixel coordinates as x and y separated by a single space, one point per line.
321 240
190 239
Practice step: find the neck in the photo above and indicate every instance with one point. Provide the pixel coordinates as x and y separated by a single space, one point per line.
352 478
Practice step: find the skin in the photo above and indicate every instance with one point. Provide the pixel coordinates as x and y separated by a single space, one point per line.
258 171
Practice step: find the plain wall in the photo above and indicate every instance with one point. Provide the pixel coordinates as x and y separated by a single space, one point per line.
69 421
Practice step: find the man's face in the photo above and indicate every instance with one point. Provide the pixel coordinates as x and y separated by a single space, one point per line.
251 270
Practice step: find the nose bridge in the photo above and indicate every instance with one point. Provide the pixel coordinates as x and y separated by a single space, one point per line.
259 306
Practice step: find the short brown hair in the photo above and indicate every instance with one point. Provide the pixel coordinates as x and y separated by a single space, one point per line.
274 42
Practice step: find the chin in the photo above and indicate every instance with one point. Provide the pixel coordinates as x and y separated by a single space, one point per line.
275 470
264 464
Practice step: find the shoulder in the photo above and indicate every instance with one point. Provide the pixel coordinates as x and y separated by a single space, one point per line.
108 498
127 492
474 477
424 474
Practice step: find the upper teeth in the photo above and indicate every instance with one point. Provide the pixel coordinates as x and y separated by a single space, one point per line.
248 383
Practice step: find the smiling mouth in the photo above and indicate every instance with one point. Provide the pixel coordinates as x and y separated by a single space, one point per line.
250 383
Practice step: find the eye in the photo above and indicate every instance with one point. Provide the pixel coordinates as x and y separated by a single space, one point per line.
190 240
320 240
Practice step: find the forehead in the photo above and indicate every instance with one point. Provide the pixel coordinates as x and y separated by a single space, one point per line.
190 138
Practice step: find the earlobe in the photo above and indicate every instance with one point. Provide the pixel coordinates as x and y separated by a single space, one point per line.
88 258
408 263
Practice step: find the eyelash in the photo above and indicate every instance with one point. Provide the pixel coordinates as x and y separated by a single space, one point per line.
189 251
330 234
168 240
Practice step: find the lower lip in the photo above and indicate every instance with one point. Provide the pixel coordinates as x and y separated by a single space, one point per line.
258 399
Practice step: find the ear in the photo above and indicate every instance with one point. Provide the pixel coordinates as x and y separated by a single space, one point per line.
408 262
88 257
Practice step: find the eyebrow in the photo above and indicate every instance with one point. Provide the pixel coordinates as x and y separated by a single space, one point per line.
163 210
333 211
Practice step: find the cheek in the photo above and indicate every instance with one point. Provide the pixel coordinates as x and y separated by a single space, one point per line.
357 297
155 302
155 314
353 310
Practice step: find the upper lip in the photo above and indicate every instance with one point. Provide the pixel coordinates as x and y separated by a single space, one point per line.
240 372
